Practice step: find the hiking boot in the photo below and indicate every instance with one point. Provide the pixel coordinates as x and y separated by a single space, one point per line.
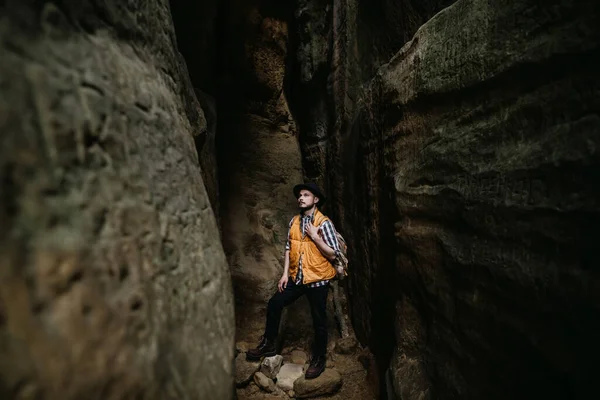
316 367
266 348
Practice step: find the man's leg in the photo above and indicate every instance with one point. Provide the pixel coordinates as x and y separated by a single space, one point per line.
275 307
317 297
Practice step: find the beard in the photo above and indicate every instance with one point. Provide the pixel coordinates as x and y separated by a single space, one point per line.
304 207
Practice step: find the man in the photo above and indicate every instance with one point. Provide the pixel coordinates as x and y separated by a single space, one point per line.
311 248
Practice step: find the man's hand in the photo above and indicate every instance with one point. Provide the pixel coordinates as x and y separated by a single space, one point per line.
282 283
312 231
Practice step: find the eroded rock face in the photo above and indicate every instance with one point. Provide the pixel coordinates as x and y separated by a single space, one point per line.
244 370
487 149
495 141
113 280
308 86
329 382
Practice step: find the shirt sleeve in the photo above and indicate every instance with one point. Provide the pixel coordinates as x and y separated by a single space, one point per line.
287 243
330 237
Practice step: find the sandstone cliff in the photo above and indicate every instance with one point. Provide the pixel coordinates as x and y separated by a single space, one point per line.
113 281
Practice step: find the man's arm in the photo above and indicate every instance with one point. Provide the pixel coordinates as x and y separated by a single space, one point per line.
286 263
323 247
283 281
286 255
281 285
327 251
330 237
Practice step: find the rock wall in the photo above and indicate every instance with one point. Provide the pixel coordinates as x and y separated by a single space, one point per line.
476 151
259 156
113 283
310 36
492 135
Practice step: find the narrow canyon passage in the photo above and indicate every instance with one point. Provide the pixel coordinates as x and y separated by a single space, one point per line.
149 151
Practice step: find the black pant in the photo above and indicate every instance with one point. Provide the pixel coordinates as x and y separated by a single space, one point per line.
317 298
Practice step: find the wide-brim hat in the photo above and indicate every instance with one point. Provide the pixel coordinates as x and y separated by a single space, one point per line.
313 188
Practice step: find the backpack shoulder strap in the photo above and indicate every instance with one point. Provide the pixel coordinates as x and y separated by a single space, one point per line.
319 218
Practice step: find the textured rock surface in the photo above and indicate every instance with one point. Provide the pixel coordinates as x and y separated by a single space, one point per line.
478 152
264 382
271 365
244 370
329 382
113 283
307 88
495 136
384 26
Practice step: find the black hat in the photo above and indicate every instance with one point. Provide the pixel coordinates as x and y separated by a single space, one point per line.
311 187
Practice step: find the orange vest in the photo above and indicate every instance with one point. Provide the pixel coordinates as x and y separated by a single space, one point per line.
315 267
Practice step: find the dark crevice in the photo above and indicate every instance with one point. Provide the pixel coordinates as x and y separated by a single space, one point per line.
196 28
10 197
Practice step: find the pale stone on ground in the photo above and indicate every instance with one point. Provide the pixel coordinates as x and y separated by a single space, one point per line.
287 375
271 365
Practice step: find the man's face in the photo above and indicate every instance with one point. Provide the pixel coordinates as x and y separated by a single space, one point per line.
306 199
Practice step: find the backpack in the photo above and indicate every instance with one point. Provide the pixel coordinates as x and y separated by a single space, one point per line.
341 263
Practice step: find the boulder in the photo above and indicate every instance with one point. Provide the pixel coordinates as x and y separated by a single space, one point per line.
244 370
264 382
287 376
271 365
329 382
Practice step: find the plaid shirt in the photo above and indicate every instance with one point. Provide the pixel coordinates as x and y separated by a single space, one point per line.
328 233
